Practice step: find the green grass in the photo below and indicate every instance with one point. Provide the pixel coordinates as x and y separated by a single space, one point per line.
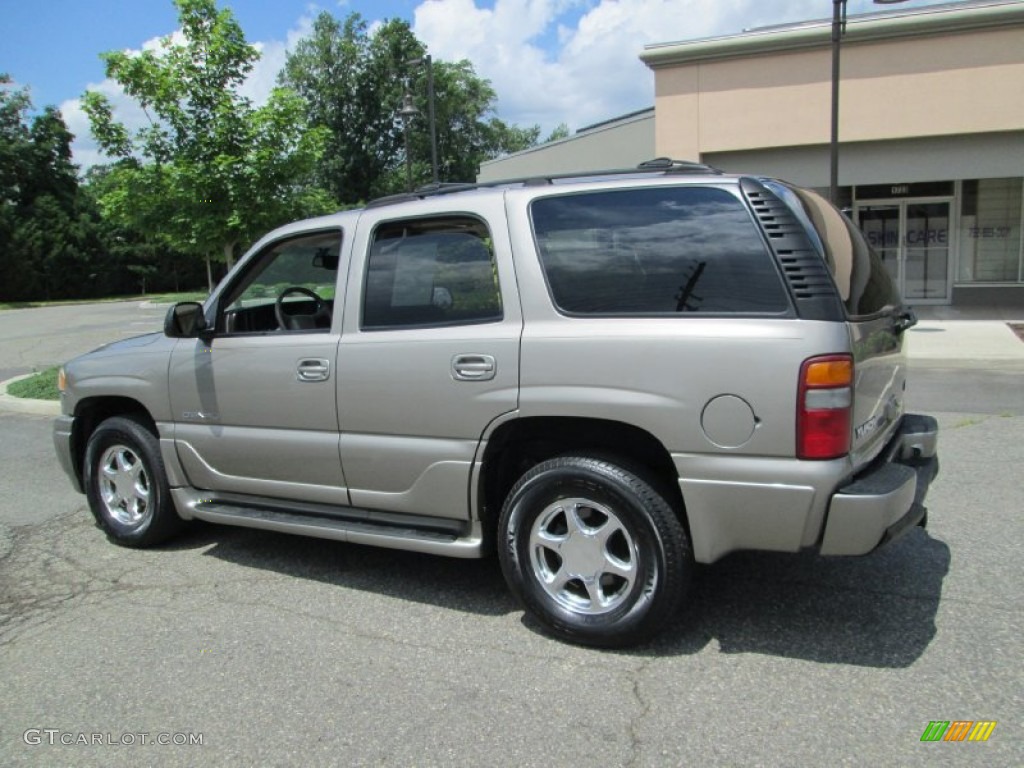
173 298
39 386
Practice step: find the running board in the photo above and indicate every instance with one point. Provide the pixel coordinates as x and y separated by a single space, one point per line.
378 529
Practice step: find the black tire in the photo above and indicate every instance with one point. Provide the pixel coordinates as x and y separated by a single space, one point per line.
628 571
126 484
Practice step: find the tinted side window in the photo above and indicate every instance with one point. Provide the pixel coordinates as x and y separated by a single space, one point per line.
655 251
864 283
431 272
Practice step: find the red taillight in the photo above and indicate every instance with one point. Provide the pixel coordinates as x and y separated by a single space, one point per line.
824 407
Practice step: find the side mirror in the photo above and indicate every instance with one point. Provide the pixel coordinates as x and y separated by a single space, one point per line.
185 320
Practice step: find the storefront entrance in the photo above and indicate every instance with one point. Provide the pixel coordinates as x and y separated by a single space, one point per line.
914 239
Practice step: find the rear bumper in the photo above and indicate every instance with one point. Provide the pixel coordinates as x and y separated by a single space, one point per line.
887 499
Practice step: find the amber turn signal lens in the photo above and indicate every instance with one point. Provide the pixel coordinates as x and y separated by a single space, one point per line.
829 373
62 380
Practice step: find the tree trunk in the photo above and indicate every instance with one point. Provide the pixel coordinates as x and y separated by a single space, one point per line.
209 273
229 255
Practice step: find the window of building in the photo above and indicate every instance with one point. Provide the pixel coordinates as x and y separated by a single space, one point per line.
990 231
666 250
427 272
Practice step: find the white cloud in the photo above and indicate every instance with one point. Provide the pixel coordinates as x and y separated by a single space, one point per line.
593 75
263 78
595 72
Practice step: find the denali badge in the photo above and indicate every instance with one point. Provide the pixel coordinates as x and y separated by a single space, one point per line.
199 416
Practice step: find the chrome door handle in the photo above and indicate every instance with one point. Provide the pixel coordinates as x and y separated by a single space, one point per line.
313 369
473 367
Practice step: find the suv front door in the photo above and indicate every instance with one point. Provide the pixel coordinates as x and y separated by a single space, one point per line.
254 406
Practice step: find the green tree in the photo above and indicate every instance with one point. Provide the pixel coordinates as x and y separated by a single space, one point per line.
135 260
211 171
467 130
353 81
49 235
560 131
15 147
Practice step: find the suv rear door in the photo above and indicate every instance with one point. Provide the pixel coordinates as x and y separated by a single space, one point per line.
875 316
430 352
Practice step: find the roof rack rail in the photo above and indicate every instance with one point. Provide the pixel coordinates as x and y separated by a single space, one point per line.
401 197
657 165
427 190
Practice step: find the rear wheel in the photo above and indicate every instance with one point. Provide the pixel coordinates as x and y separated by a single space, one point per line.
594 551
126 484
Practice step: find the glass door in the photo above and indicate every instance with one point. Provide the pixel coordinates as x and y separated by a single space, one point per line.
881 225
913 240
926 251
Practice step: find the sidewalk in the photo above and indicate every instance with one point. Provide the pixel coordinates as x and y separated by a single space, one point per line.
1003 312
964 342
961 336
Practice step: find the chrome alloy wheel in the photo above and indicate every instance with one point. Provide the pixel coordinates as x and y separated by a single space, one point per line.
124 485
583 556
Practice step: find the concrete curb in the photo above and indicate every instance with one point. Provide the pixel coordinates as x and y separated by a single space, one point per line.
25 405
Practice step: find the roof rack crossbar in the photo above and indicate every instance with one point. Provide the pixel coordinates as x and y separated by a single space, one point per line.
657 165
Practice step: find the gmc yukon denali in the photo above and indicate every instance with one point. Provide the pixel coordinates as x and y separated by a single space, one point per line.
606 378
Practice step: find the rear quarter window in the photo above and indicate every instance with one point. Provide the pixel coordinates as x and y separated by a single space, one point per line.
655 251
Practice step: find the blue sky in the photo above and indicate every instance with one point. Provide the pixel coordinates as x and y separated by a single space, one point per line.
550 61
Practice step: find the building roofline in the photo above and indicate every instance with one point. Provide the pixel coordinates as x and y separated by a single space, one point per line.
614 122
626 118
915 22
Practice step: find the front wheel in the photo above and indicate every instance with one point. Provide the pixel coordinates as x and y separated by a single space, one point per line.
594 551
126 484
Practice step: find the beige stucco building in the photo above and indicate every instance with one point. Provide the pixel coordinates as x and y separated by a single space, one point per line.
931 132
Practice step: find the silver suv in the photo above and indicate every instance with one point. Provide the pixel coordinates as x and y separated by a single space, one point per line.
606 378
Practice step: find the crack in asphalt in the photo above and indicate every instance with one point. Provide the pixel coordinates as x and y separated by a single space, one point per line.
45 575
644 707
40 580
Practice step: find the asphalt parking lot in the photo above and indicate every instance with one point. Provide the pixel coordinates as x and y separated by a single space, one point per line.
278 650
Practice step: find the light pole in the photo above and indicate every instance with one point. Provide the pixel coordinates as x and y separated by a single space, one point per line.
407 113
428 64
838 30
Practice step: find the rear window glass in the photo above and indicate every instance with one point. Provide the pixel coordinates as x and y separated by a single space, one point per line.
669 250
864 283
